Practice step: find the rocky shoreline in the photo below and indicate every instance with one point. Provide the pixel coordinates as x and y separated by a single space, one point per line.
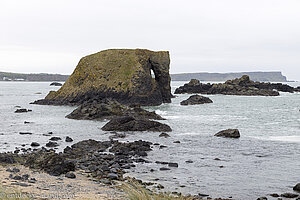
116 91
104 162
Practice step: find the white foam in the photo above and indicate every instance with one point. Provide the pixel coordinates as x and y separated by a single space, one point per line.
161 112
290 138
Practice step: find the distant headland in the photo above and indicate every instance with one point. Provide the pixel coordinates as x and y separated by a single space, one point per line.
275 76
8 76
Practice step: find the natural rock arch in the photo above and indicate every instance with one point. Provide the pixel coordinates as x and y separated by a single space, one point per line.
120 74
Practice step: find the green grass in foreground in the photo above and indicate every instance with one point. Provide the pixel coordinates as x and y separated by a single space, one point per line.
135 191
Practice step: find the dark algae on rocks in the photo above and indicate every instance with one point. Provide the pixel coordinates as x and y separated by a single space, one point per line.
107 109
123 75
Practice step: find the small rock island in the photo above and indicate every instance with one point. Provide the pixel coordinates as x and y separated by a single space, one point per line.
240 86
124 75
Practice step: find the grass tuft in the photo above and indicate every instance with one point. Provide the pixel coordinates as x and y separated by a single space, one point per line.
136 191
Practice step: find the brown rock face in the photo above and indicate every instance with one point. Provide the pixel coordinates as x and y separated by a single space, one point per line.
123 75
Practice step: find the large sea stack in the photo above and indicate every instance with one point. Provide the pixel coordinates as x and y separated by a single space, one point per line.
123 75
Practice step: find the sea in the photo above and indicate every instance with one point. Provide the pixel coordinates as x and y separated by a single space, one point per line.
264 160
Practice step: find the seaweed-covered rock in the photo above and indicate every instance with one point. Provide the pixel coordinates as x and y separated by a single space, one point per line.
240 86
8 158
107 109
129 123
49 161
196 99
89 155
120 74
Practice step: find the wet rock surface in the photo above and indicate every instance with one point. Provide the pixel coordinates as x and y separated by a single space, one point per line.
196 99
129 123
102 159
241 86
229 133
108 109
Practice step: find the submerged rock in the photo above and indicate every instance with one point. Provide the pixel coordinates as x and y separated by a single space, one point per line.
55 84
25 133
107 109
229 133
196 99
289 195
240 86
120 74
130 123
22 110
166 135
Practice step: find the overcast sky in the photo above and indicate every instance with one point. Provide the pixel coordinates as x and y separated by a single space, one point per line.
201 35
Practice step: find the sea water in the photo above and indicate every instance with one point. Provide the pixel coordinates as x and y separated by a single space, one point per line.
266 159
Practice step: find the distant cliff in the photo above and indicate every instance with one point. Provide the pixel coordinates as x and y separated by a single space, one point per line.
7 76
255 76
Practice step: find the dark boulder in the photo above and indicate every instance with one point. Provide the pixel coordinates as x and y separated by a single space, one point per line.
173 164
196 99
297 187
55 84
164 169
262 198
25 133
22 110
289 195
129 123
70 175
229 133
68 139
35 144
55 138
52 144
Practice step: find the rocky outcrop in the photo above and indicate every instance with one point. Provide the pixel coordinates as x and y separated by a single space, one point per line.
120 74
196 99
108 109
130 123
229 133
241 86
